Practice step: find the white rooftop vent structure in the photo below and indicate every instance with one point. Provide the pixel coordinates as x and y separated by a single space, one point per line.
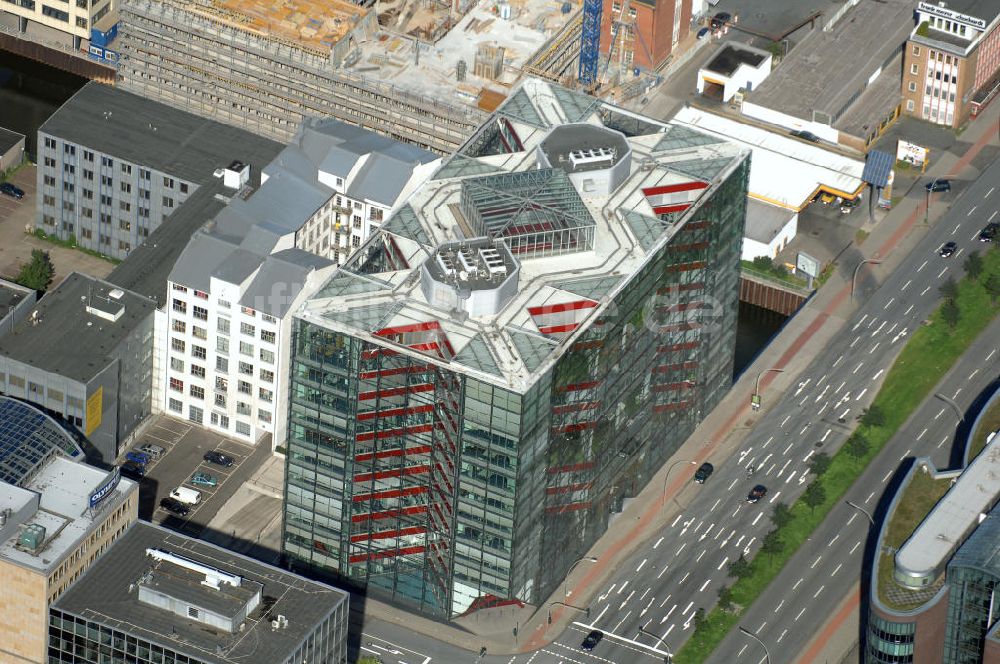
116 294
601 156
596 159
236 175
476 276
213 577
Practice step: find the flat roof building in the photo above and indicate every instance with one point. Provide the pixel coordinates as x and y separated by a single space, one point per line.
85 352
159 596
57 515
520 345
113 166
15 304
733 67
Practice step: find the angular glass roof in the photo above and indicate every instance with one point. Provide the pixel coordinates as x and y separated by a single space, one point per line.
476 354
577 106
27 437
519 107
677 137
461 166
372 318
404 222
705 169
348 283
594 288
532 348
647 230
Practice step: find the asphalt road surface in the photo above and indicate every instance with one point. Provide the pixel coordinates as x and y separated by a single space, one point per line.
646 612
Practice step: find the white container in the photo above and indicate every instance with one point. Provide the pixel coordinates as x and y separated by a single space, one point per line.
186 495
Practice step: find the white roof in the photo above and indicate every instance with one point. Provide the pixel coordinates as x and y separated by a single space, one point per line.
784 171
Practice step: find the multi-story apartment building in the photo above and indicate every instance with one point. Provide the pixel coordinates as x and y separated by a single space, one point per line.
113 166
951 61
157 596
513 353
355 179
85 353
649 30
233 287
60 21
57 516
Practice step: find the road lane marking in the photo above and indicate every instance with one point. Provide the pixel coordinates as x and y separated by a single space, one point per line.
905 454
800 613
880 372
788 448
816 562
992 215
988 194
783 632
887 476
757 519
870 496
940 274
853 517
819 591
837 569
787 417
921 434
908 310
874 348
972 375
854 548
835 538
974 208
921 266
924 291
838 361
858 398
906 284
657 542
722 564
990 356
797 584
704 585
891 300
780 604
775 497
642 564
940 413
857 368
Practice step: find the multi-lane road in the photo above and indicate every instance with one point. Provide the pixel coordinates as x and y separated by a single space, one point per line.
647 610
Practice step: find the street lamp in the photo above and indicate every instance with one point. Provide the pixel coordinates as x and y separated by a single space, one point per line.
927 199
568 606
755 398
589 559
767 653
861 509
659 643
667 477
854 279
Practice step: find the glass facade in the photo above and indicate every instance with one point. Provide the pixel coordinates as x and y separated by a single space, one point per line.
444 491
889 642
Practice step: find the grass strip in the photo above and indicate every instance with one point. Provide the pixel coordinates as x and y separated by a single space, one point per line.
931 351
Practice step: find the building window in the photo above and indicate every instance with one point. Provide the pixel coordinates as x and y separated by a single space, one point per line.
244 387
197 372
181 306
247 329
913 86
909 105
198 352
221 384
267 376
184 187
199 332
176 384
263 415
177 364
176 406
267 318
247 311
242 428
179 326
246 368
224 304
223 325
246 349
267 356
267 336
201 295
201 313
222 364
195 414
222 344
243 408
197 392
220 400
177 345
914 69
57 14
266 395
916 50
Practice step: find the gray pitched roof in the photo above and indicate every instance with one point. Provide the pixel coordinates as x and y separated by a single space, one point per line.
381 179
199 259
281 278
237 266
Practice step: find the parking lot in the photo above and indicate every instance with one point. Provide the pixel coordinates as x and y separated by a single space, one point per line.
186 445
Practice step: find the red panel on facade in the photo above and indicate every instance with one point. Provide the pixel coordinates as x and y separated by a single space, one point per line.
677 327
395 391
390 493
392 553
395 472
556 329
375 352
664 407
393 412
666 209
685 267
419 368
575 407
575 507
563 306
389 514
588 345
389 534
568 488
385 454
571 428
693 246
695 225
413 327
572 468
681 306
680 366
673 348
673 188
392 433
673 387
579 386
669 290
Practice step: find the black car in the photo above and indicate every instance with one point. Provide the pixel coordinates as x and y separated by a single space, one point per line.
806 135
721 19
938 186
133 470
592 640
11 190
703 473
756 493
175 507
218 458
989 233
947 249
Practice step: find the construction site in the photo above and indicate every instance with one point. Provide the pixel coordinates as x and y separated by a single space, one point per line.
428 76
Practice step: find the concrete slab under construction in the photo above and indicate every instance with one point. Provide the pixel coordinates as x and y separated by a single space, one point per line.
316 24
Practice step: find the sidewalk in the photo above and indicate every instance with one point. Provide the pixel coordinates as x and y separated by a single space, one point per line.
719 435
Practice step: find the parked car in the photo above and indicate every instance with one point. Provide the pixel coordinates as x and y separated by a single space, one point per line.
826 198
704 33
592 640
154 451
218 458
989 233
806 135
849 204
8 189
756 493
703 473
947 249
175 507
133 470
138 457
204 479
186 495
938 186
721 19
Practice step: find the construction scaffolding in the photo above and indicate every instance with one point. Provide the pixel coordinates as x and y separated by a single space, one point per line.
208 59
559 54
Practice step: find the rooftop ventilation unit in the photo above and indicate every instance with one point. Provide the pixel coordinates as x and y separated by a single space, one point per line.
213 576
116 294
579 158
31 538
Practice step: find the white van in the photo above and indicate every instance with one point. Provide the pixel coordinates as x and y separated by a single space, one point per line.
186 495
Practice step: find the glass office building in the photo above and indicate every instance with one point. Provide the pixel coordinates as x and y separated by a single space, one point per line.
521 347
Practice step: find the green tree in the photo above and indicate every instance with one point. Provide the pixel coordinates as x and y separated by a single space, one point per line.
814 496
974 265
992 286
873 416
781 515
949 289
763 263
950 313
37 274
772 544
739 568
725 598
699 618
820 464
857 445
